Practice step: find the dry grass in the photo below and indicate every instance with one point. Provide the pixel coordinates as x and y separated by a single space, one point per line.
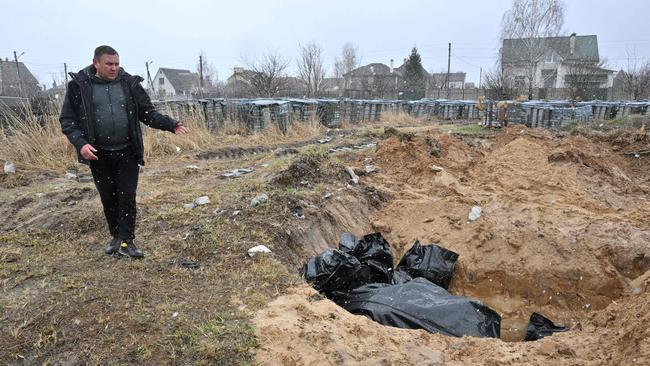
35 142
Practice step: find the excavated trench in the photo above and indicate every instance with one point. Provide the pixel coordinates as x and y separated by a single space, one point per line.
563 230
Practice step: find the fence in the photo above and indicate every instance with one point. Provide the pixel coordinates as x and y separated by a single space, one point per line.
258 114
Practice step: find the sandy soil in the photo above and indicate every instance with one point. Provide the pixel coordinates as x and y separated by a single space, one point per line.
564 232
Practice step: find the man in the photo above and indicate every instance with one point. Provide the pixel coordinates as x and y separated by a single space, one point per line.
100 115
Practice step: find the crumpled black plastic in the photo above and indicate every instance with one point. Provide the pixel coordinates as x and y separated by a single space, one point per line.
432 262
421 304
358 276
540 326
356 263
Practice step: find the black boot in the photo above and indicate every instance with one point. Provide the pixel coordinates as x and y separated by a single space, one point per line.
128 249
113 246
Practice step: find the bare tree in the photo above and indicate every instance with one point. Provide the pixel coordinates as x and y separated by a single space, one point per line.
348 61
497 85
636 78
267 75
584 81
529 21
310 68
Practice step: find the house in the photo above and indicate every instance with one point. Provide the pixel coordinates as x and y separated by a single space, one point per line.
244 83
17 81
536 66
372 81
439 80
175 83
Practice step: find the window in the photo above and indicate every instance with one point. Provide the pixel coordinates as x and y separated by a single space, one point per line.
161 81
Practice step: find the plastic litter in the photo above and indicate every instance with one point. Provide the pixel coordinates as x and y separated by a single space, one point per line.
10 168
540 326
259 199
259 249
474 214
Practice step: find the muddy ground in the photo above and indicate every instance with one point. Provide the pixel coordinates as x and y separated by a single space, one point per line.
564 232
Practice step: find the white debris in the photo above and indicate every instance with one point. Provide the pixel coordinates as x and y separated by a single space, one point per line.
474 214
71 176
325 140
436 168
10 168
236 173
203 200
259 199
193 167
371 169
353 176
178 149
175 314
260 249
637 156
328 195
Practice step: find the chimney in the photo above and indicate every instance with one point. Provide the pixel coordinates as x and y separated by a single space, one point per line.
572 43
391 65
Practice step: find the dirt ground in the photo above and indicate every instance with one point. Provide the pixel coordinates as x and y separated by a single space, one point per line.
564 231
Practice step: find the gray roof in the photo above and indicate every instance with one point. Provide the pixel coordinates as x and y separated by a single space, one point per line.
181 80
370 70
586 48
9 84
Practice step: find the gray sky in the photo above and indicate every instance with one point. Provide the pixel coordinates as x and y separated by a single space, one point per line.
173 33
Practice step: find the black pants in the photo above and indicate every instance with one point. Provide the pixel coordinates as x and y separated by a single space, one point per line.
116 179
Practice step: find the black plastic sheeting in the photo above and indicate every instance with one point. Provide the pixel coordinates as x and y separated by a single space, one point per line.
420 304
432 262
359 277
539 327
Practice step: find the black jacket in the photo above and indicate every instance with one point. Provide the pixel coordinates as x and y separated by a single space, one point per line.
77 116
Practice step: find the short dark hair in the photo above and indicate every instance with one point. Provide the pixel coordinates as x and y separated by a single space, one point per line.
104 50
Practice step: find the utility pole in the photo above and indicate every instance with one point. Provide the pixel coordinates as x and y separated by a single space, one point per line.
65 72
448 69
20 79
201 74
146 64
480 77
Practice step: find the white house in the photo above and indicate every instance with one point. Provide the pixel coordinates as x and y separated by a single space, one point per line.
559 62
175 83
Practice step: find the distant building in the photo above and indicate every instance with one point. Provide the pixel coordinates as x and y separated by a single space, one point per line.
12 85
456 80
175 83
375 80
570 62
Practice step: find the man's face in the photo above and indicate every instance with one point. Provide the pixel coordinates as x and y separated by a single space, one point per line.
107 66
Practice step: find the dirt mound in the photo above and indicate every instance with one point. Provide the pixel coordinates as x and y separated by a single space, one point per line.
314 166
303 328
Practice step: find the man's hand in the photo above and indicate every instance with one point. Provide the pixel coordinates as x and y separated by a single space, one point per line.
180 129
87 152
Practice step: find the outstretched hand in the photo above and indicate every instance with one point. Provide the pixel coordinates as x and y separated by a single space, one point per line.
87 152
180 129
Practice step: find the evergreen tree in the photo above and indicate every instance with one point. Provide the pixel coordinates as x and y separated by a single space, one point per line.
414 73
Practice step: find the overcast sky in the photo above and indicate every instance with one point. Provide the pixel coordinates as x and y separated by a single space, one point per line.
174 33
